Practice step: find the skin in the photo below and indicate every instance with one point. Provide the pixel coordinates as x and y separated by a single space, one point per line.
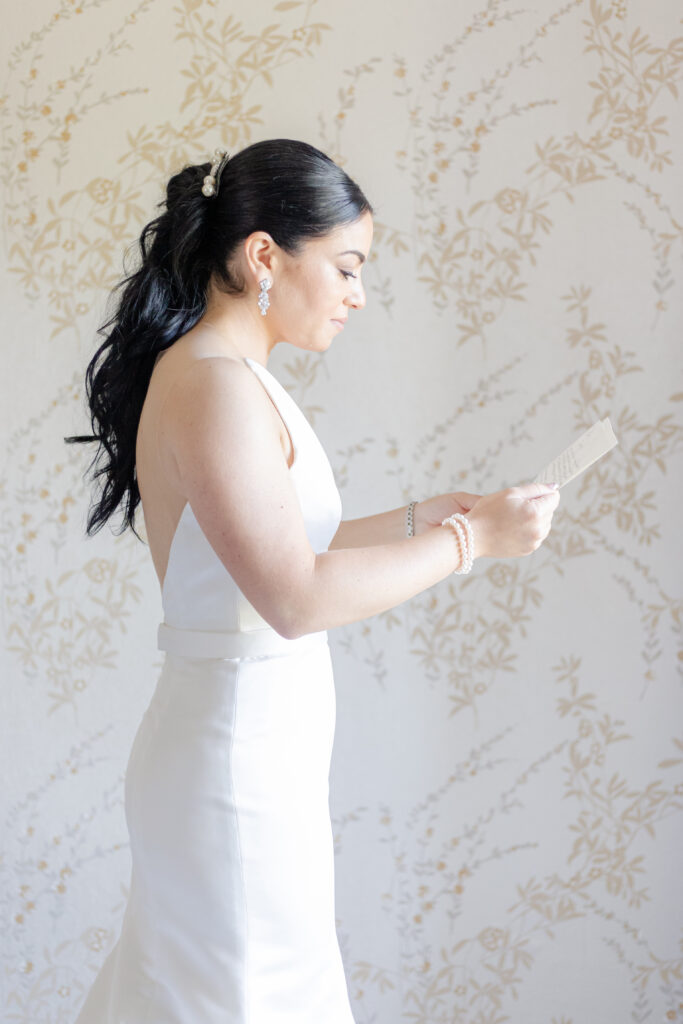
308 292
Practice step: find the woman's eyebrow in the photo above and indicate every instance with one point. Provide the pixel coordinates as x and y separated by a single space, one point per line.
354 252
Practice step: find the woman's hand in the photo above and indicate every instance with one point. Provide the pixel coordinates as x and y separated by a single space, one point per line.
515 521
508 523
432 511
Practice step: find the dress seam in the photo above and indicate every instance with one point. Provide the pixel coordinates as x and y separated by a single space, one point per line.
150 723
247 1015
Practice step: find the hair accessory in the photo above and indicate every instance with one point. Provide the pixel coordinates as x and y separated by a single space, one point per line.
263 301
410 523
212 179
463 529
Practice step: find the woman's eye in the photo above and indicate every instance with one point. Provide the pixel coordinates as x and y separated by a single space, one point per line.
347 273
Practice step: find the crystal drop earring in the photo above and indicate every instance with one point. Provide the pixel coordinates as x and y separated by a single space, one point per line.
263 300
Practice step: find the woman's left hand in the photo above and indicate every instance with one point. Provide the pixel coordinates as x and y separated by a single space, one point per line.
432 511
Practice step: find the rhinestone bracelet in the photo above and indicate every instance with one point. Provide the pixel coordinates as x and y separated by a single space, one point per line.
463 531
410 525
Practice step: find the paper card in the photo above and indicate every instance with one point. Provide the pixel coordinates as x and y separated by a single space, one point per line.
591 446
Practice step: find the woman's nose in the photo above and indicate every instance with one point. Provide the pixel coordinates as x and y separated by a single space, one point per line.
357 297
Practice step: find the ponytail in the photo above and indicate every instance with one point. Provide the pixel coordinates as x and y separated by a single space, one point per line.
291 190
158 303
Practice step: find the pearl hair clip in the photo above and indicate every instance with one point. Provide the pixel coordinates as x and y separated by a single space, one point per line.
212 179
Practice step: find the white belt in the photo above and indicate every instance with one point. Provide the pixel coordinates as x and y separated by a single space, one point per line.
198 643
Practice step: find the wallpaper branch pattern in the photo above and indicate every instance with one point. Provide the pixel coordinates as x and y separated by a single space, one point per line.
507 780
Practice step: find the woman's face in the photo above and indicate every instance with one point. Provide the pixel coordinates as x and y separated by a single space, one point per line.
313 292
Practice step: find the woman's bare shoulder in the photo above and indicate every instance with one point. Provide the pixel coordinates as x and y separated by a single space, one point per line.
189 349
192 362
211 399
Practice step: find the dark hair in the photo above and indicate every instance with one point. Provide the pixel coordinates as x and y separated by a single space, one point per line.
285 187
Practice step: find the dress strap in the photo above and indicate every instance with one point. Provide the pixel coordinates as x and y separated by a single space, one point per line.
275 390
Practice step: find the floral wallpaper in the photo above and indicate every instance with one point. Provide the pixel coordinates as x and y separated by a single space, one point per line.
507 778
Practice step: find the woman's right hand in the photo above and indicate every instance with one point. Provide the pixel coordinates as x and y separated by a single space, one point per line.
513 522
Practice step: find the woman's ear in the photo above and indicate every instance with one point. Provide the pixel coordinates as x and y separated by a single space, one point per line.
261 254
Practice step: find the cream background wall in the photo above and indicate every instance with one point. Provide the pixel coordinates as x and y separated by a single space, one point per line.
507 780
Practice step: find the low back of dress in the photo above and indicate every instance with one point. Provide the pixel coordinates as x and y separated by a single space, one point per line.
198 593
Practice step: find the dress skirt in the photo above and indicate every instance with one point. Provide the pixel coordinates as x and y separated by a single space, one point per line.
230 917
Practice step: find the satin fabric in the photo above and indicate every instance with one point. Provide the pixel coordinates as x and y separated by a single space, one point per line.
230 917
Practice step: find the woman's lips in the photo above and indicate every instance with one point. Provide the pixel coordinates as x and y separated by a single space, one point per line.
340 323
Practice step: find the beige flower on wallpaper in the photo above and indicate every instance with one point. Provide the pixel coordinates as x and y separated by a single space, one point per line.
502 575
492 938
102 190
509 200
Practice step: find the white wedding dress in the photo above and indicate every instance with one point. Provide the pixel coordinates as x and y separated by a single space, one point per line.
231 916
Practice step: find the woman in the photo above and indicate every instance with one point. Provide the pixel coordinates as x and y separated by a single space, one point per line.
231 917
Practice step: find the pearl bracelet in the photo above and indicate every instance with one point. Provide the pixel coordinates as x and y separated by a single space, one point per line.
463 531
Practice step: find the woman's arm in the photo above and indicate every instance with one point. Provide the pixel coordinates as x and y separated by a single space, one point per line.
350 584
220 428
386 527
354 583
